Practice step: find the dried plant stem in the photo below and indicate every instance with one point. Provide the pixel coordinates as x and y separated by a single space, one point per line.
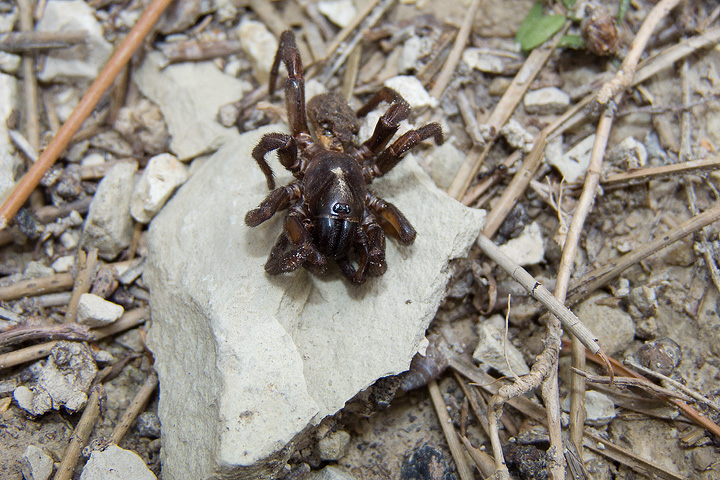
365 19
582 210
86 267
643 175
624 77
631 382
539 414
603 275
80 436
129 320
349 28
67 331
484 462
36 286
689 412
32 123
683 388
450 434
135 408
28 40
503 111
569 320
91 98
454 57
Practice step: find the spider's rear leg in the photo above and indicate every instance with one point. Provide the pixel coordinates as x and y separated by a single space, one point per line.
392 155
287 154
295 84
295 235
279 199
392 221
369 250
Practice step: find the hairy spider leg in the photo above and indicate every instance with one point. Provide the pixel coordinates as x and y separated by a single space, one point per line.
369 247
392 155
386 94
287 154
278 199
297 234
295 84
392 221
385 129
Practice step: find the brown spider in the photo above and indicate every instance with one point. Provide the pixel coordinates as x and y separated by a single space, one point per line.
331 211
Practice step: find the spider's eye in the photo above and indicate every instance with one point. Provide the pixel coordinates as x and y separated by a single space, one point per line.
341 208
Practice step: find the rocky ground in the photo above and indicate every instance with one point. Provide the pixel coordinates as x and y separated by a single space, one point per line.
130 264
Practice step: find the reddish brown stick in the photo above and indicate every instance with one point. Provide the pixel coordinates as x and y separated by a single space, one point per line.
116 63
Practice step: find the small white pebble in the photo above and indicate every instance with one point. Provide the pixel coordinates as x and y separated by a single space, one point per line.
95 311
70 239
339 12
412 91
63 264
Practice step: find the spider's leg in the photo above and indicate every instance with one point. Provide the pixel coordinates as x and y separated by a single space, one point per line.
287 154
295 84
392 221
272 265
298 235
392 155
386 94
386 127
279 199
376 242
356 275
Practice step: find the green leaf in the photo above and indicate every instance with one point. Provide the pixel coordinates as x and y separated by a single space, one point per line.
576 42
569 3
536 31
533 16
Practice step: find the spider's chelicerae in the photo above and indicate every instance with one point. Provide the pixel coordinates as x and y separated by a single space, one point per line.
331 212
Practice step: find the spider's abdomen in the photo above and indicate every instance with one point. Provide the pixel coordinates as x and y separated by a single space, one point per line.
335 196
333 236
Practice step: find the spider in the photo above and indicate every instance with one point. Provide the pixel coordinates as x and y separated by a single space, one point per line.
331 212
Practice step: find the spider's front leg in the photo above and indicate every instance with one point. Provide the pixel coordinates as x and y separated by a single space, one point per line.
279 199
302 251
392 155
287 154
295 84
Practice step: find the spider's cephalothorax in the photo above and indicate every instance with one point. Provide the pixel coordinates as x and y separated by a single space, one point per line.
331 213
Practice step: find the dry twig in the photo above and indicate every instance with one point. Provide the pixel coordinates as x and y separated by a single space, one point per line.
449 430
135 408
86 268
91 98
129 320
81 434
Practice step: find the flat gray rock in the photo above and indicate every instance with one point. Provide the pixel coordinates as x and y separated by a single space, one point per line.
247 361
189 95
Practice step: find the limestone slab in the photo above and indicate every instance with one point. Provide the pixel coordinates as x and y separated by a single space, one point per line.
247 361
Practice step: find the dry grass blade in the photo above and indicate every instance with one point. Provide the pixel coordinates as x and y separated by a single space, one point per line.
624 77
135 408
454 58
449 430
643 175
569 320
603 275
626 457
129 320
117 62
80 436
86 267
36 286
503 111
690 412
